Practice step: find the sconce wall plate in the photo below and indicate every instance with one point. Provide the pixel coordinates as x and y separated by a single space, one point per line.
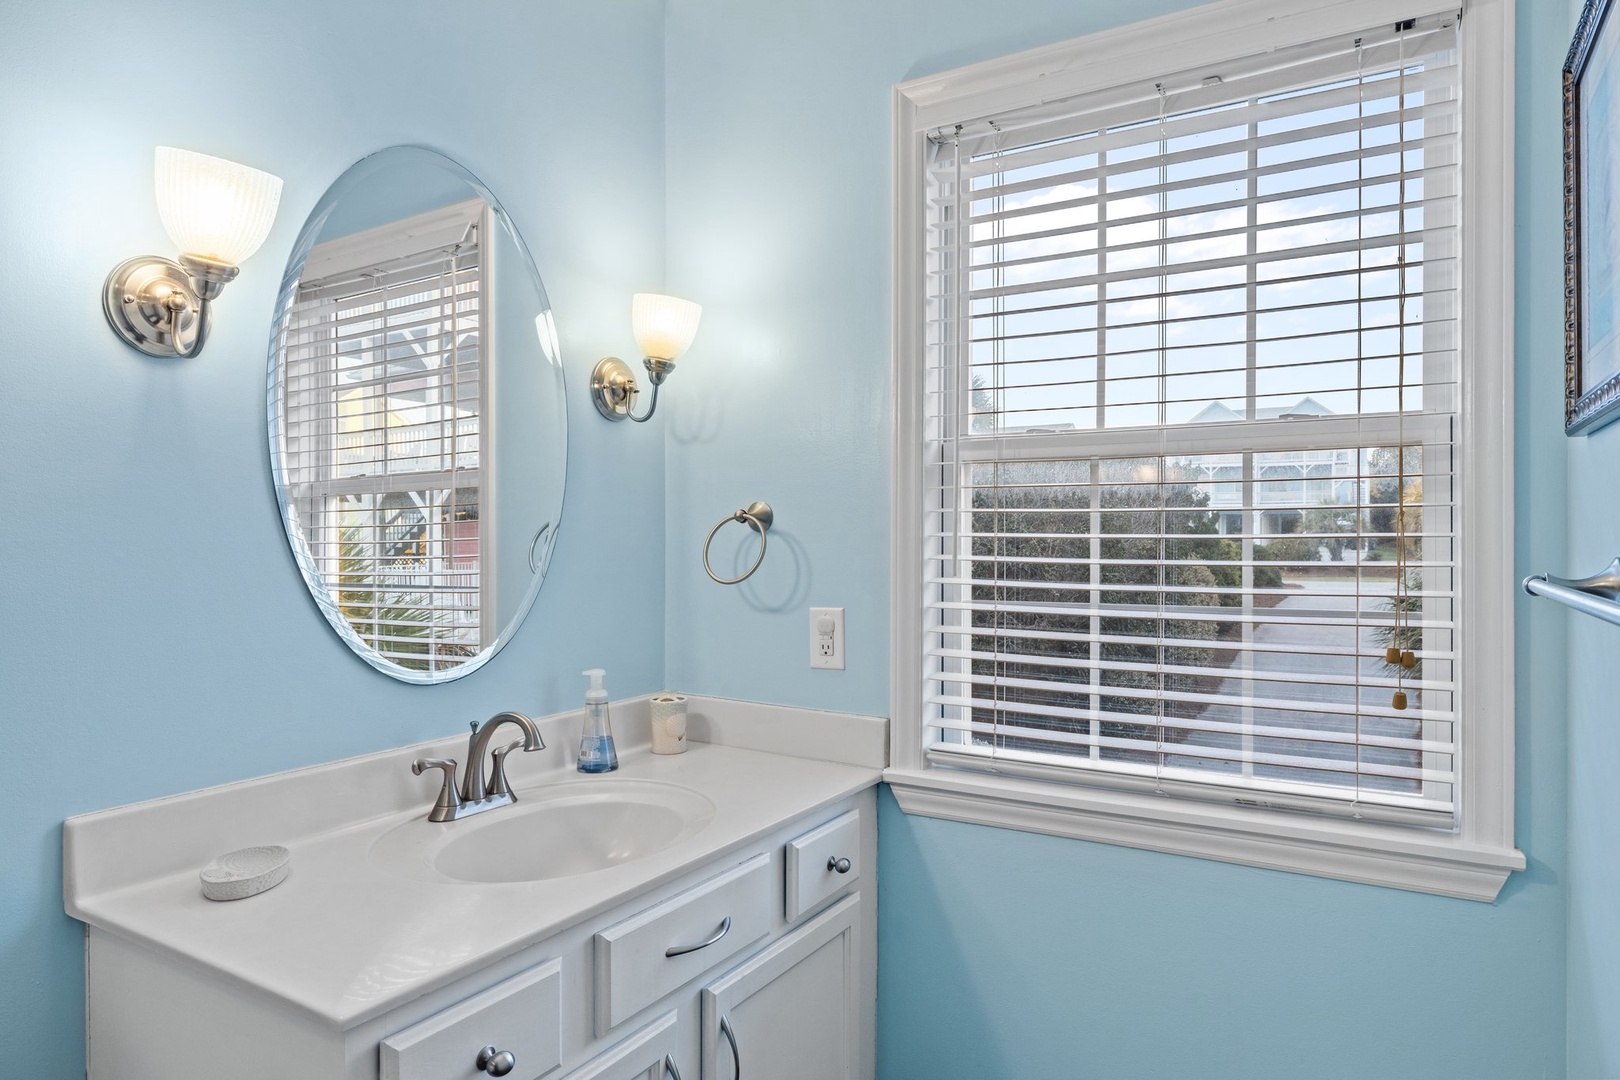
155 305
614 387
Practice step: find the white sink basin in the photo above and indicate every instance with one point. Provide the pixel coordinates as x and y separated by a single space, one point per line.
563 830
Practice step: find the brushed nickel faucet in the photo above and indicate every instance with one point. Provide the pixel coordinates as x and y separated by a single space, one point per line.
474 796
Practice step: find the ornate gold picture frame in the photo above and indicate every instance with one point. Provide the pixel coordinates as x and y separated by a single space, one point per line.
1592 224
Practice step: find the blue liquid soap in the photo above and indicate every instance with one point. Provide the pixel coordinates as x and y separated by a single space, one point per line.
596 754
596 750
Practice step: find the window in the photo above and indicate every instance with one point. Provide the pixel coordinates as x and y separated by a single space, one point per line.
384 420
1188 438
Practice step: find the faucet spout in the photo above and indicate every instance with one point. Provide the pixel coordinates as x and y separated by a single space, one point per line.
473 788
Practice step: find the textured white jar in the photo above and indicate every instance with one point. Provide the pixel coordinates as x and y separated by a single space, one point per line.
668 724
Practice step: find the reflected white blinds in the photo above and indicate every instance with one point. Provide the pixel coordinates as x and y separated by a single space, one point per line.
1191 349
383 413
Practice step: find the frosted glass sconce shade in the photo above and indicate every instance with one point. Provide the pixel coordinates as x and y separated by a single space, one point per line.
213 208
664 325
217 213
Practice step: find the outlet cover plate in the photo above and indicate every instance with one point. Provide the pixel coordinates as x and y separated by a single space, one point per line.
827 638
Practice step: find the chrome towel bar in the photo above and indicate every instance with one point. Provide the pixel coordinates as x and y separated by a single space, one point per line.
1598 595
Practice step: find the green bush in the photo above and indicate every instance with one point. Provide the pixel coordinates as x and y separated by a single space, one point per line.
1288 549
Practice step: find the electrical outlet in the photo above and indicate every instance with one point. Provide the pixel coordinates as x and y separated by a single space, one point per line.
827 638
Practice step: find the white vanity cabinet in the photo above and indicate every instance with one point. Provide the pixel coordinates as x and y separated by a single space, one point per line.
770 944
791 1012
794 1003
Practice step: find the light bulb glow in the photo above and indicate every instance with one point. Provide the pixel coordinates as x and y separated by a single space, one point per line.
664 325
213 208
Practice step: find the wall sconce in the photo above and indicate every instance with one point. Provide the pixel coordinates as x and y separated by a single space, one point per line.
664 327
217 213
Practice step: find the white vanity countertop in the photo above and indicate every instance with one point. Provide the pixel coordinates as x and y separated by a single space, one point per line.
345 939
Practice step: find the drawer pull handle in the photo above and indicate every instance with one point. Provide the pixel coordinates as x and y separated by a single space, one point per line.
682 950
669 1067
495 1062
840 865
731 1037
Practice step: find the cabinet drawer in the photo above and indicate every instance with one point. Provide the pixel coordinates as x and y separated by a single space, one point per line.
522 1016
633 965
813 861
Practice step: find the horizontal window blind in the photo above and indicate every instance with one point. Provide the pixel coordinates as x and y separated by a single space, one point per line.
1191 408
382 408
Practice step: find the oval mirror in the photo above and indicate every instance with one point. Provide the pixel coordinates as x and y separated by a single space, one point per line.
418 428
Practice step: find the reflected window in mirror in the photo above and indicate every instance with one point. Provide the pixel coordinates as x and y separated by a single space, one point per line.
386 415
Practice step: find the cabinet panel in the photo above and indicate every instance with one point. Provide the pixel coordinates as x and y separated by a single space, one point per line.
822 863
521 1016
789 1013
652 1053
702 926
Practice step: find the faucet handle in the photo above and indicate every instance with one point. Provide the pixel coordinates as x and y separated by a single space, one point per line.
444 809
498 784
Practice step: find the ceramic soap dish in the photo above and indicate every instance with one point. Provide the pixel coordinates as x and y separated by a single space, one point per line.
245 873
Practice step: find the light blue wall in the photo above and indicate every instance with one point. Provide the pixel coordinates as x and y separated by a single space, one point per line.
1003 954
157 636
1594 760
144 656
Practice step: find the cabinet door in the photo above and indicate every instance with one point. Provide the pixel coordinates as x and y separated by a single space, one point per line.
649 1054
789 1012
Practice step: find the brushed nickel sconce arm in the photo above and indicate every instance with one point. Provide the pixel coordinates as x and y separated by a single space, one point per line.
160 306
614 388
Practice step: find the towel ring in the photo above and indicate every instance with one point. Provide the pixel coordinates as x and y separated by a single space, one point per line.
759 518
534 548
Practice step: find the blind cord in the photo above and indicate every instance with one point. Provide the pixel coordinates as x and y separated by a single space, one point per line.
1398 653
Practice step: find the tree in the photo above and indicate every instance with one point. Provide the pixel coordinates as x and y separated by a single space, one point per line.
1383 487
1338 523
1033 529
399 622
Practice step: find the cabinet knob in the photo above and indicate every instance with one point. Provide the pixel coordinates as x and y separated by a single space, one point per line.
840 865
495 1062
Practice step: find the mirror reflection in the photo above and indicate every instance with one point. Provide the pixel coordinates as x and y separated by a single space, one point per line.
418 422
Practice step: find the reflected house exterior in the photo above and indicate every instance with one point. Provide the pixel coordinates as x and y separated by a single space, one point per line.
1284 482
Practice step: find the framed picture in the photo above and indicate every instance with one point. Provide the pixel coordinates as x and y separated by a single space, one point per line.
1592 224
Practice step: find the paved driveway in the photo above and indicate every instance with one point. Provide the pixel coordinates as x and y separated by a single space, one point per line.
1307 645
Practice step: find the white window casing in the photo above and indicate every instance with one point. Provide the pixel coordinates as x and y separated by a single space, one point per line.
1153 289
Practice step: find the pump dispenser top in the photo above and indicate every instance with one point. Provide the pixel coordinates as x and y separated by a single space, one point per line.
597 692
596 751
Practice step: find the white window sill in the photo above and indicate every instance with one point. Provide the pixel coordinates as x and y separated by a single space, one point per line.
1402 858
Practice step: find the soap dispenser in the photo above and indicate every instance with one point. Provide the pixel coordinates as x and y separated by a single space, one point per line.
596 752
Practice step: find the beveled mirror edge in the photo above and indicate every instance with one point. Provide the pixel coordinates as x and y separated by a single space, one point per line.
315 584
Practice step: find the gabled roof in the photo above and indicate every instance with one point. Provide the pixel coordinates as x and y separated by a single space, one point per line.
1217 412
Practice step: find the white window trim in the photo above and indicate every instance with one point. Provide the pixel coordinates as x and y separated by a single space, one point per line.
1471 862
